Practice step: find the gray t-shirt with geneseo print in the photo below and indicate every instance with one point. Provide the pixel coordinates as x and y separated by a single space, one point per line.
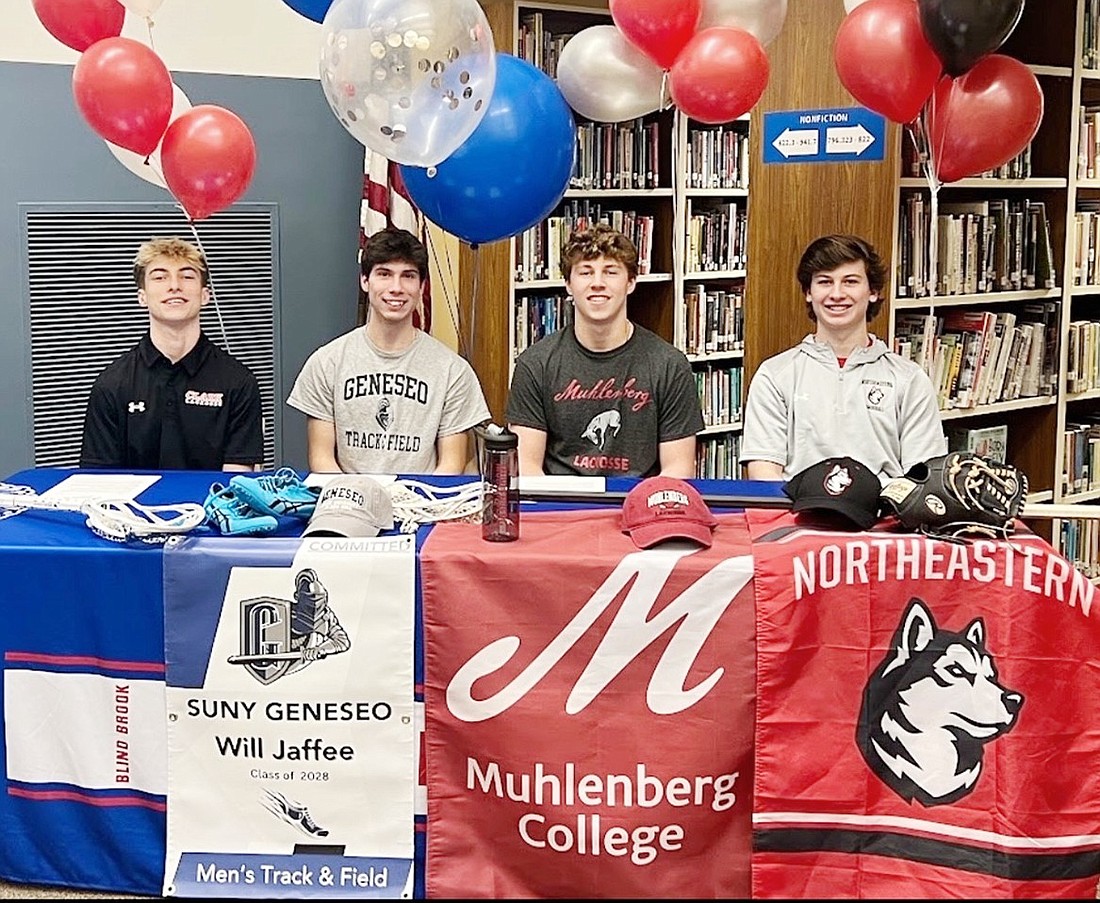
389 407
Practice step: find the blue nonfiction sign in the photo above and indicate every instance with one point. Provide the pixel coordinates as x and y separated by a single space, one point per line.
847 135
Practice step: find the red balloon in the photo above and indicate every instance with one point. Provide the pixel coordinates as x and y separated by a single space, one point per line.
124 91
884 59
983 118
208 157
659 28
80 23
719 75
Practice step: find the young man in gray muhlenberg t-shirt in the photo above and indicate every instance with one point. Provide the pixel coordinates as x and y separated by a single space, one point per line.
604 396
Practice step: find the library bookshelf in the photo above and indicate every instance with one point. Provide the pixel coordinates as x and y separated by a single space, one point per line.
677 188
1042 276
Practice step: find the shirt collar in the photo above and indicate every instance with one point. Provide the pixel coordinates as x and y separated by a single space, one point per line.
191 362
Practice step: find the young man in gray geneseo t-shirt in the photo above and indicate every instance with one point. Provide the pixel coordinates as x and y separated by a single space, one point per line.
387 397
604 396
840 392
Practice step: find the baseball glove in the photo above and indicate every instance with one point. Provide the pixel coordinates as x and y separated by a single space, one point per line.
957 494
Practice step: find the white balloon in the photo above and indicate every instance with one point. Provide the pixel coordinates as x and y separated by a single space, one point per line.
142 7
410 79
151 171
849 5
763 19
604 77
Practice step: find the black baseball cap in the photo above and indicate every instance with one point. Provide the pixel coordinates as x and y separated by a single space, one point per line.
841 485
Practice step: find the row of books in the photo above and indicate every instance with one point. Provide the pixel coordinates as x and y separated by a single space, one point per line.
1090 49
1080 544
1019 167
616 156
1081 457
977 357
717 457
1086 243
717 237
982 246
719 389
1088 141
537 316
713 320
988 441
1083 356
538 251
538 45
717 158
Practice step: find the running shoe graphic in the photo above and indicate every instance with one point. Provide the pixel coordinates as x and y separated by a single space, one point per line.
292 813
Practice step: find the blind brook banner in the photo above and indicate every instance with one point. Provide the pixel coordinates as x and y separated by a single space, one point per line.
291 722
587 735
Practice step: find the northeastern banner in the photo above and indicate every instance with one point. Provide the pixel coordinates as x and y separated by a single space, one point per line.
291 744
589 712
928 717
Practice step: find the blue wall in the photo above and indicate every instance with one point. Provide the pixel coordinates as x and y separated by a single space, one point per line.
307 164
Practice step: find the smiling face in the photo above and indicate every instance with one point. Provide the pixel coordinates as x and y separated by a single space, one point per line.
599 288
840 297
173 290
394 289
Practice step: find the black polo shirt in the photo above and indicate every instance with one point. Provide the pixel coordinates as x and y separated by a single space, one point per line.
197 414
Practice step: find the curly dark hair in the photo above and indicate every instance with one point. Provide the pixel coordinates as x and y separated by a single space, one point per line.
390 244
599 241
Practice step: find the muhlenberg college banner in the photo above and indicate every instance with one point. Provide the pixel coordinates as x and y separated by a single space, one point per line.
589 712
291 722
928 717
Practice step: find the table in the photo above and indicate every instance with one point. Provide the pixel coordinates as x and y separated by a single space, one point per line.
826 818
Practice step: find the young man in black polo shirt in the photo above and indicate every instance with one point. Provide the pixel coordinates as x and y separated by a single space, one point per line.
175 401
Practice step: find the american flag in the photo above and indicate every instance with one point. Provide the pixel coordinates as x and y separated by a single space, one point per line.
386 202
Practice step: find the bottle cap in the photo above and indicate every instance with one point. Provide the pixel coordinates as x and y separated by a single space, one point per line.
498 438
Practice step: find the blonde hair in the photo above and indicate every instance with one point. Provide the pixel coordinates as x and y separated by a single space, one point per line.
599 241
172 248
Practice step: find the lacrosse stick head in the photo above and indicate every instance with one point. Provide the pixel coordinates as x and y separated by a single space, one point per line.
121 520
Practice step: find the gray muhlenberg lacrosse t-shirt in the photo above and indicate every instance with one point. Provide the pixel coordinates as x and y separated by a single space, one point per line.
389 407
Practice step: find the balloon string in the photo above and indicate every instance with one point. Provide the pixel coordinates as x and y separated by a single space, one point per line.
149 27
209 280
476 248
447 282
665 100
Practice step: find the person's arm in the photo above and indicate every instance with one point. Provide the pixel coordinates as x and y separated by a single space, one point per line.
451 453
243 449
920 428
764 470
321 446
764 448
101 444
532 450
678 458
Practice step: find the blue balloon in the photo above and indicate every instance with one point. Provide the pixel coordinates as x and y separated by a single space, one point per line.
311 9
513 169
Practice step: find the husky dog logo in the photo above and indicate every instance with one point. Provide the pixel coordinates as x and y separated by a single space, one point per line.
837 480
930 707
280 637
600 426
875 396
384 416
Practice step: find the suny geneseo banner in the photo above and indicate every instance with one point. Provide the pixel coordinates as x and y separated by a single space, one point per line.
291 734
589 735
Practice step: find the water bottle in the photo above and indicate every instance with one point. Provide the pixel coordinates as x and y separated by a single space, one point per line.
500 472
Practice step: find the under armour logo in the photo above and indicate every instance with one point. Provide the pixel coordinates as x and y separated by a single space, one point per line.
135 406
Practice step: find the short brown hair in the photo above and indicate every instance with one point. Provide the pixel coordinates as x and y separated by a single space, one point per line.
172 248
831 251
599 241
392 244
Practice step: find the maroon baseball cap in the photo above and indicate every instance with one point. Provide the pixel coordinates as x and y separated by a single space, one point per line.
661 508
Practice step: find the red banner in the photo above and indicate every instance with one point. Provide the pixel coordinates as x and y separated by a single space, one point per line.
589 712
928 718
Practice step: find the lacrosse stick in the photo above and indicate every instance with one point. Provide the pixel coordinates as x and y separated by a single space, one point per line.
118 520
416 503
